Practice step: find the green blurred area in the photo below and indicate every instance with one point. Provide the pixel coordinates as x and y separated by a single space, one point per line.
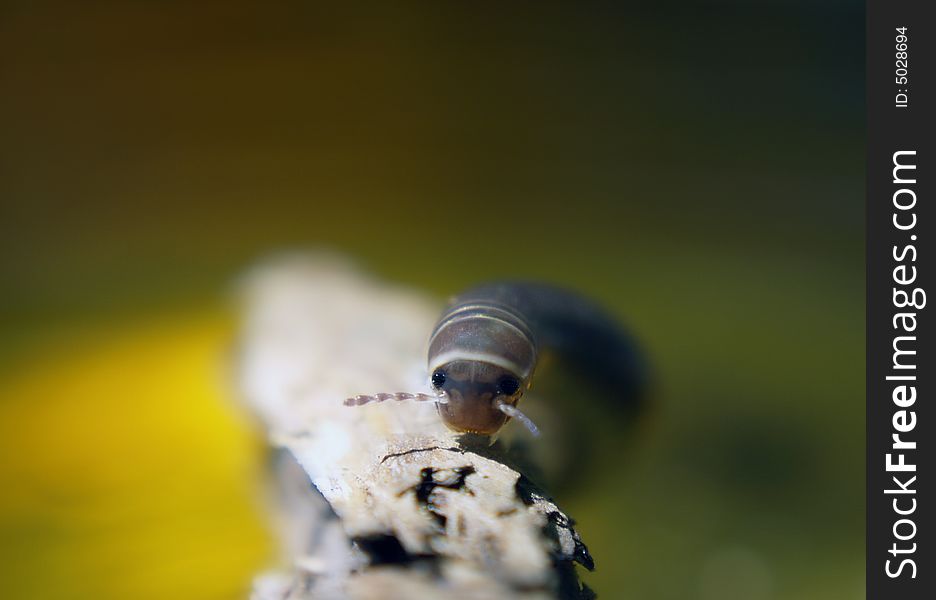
696 166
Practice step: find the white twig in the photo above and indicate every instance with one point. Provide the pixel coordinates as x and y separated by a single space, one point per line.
385 501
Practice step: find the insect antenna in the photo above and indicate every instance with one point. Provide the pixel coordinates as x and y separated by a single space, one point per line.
399 396
515 413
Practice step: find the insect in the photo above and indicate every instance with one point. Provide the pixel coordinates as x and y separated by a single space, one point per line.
483 352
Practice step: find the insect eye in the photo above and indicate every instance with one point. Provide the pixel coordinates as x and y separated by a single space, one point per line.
508 385
438 378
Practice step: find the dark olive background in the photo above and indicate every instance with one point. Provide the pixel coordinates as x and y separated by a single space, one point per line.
697 166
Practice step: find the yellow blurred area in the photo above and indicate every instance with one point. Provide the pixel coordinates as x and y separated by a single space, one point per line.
126 469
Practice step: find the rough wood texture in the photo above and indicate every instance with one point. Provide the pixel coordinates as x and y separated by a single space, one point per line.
398 506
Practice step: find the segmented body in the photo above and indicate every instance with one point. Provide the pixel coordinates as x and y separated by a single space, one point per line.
499 330
484 350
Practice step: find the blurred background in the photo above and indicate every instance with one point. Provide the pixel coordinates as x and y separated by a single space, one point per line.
695 165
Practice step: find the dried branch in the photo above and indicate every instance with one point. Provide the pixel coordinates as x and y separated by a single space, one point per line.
381 500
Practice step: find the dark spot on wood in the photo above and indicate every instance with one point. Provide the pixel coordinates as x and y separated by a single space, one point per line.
428 483
583 557
529 494
526 491
386 549
556 520
383 549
